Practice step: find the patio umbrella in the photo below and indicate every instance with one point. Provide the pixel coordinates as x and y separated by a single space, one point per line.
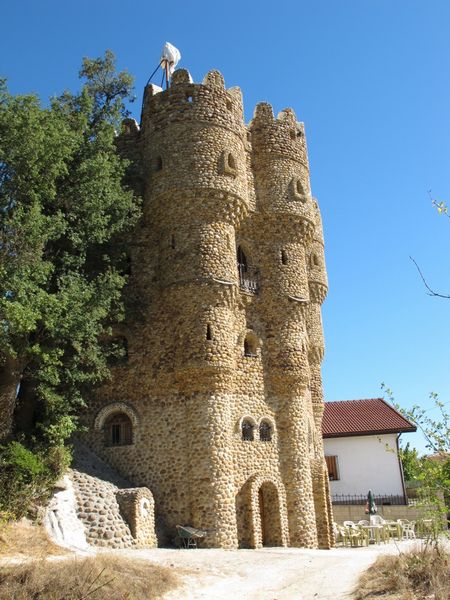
371 507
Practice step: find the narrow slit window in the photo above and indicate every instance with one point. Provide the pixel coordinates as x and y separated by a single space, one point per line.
315 260
231 162
250 347
208 332
158 164
172 242
284 258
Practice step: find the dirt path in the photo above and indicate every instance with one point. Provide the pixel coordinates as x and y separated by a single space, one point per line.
268 574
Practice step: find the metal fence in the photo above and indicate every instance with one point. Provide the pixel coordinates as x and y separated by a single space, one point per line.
361 499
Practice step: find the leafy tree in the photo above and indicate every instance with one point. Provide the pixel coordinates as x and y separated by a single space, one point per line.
410 462
63 211
432 470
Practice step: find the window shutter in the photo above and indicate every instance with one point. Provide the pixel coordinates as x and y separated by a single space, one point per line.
332 467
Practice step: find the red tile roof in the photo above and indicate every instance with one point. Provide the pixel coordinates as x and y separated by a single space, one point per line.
362 417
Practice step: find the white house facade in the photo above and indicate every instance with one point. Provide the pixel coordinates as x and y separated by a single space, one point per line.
361 449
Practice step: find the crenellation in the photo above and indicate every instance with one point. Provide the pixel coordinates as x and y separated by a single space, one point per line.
222 387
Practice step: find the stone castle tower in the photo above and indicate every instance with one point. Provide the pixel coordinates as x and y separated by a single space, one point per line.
217 408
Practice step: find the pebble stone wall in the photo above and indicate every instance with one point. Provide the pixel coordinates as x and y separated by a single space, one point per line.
212 184
113 514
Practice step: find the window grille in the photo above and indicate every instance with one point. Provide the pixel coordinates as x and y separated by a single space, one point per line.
118 430
247 431
265 432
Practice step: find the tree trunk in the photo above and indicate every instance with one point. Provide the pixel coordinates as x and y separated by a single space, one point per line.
10 371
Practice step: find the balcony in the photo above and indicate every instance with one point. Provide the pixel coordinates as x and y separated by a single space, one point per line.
248 278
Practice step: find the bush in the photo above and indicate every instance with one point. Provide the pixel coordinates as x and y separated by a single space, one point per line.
107 576
26 477
421 573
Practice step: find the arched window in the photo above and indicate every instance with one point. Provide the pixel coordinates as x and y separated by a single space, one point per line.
250 345
118 430
299 188
265 431
247 428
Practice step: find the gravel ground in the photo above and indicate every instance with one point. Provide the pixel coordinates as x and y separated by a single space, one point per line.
268 574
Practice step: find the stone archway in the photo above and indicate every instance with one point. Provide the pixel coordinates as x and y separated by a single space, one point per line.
244 518
269 515
261 513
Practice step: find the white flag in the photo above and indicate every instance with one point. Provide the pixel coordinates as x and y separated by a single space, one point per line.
170 56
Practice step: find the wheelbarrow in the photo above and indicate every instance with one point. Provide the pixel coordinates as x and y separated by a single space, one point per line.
188 536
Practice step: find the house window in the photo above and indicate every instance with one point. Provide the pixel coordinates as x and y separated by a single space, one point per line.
265 432
247 431
118 430
332 466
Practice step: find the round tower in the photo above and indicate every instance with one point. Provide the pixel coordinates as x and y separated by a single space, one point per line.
194 166
318 287
285 231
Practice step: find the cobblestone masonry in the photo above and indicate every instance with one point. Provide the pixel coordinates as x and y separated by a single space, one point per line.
114 514
211 347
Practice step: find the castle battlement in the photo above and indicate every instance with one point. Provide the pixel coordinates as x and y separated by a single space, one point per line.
224 334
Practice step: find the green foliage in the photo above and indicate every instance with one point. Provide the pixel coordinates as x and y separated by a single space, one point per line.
26 476
411 463
63 213
432 470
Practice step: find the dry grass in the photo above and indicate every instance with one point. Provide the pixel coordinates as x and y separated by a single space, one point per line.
421 573
23 538
99 577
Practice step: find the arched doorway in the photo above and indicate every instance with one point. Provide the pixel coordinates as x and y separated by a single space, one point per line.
244 519
269 514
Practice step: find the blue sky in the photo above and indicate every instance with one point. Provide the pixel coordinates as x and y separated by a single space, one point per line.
371 81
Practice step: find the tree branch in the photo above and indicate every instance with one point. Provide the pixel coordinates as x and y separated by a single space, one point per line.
431 292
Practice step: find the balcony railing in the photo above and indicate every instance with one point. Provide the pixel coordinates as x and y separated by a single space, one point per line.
380 500
248 279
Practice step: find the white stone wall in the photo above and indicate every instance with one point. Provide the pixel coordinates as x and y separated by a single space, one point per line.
366 462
